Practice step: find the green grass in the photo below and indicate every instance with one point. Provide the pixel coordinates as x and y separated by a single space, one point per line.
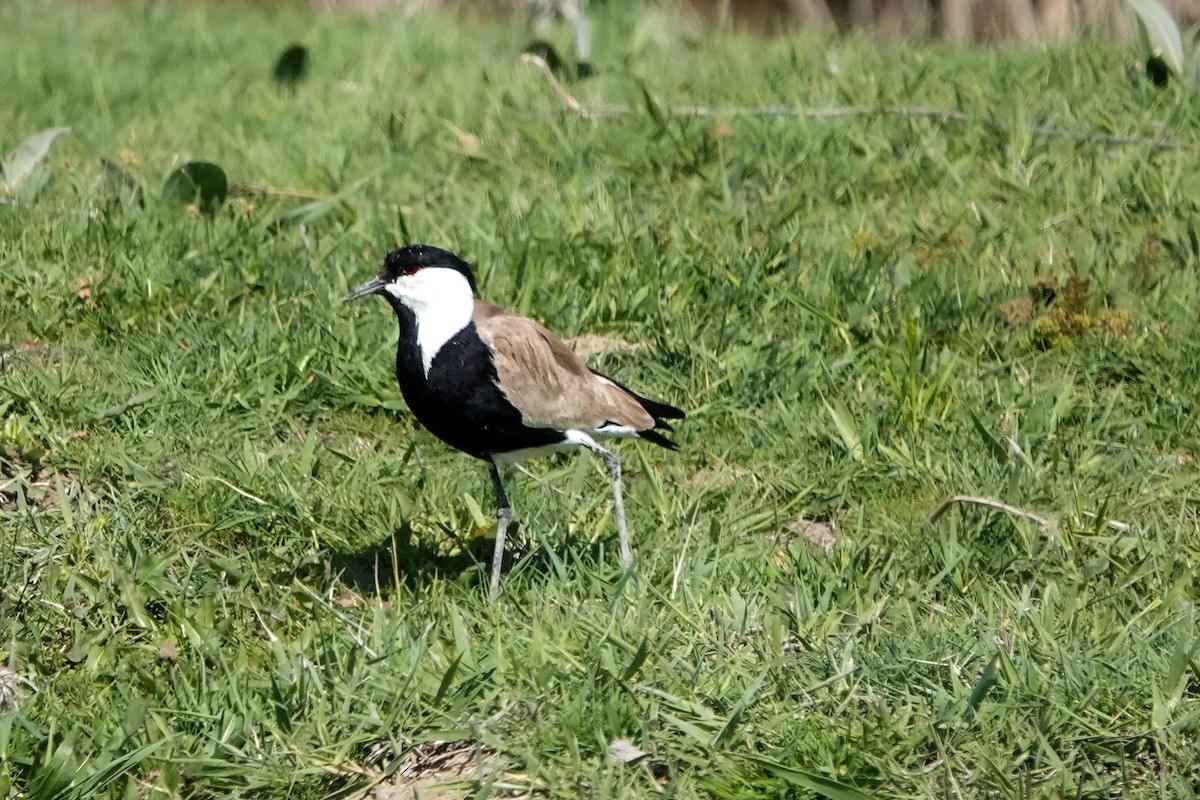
821 295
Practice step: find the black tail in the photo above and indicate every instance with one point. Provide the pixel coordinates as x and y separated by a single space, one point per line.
661 412
652 435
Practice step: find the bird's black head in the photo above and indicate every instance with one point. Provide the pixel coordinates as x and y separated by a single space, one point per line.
408 260
417 267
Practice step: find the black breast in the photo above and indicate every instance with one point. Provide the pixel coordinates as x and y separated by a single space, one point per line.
459 401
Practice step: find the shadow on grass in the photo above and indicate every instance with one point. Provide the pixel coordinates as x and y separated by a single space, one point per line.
414 561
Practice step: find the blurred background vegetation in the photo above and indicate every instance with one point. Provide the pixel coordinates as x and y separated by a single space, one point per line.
960 21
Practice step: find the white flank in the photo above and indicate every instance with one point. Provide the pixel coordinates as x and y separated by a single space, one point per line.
442 302
519 456
575 438
612 430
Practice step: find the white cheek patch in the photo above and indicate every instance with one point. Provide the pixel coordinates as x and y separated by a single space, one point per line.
442 302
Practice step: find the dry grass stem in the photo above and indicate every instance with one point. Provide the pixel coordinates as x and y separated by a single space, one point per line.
229 485
836 112
987 502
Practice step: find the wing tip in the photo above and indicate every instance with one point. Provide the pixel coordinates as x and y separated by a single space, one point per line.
657 438
660 411
668 411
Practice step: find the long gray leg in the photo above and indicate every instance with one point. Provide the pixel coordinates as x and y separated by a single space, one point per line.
613 464
503 516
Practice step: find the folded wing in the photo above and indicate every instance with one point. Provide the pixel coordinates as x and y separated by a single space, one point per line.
553 388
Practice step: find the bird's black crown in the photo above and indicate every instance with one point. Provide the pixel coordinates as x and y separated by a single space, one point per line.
411 258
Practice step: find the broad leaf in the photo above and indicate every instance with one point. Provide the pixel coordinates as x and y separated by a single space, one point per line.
19 165
987 679
197 182
845 428
1162 30
292 66
1157 71
546 52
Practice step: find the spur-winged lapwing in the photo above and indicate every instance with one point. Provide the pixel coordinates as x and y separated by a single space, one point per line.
499 386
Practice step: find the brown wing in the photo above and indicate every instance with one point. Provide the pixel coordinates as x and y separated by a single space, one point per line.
547 382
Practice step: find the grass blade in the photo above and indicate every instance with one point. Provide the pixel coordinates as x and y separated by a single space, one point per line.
845 428
739 710
998 451
987 679
812 781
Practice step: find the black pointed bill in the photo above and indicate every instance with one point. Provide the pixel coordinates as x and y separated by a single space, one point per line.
373 286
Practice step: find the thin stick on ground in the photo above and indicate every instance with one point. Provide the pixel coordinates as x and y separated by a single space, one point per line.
352 627
229 485
521 468
1116 525
987 502
836 112
996 505
250 189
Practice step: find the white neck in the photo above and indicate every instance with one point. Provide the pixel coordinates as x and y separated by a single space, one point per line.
442 302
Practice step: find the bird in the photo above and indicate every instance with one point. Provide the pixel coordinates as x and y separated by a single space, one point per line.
499 386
